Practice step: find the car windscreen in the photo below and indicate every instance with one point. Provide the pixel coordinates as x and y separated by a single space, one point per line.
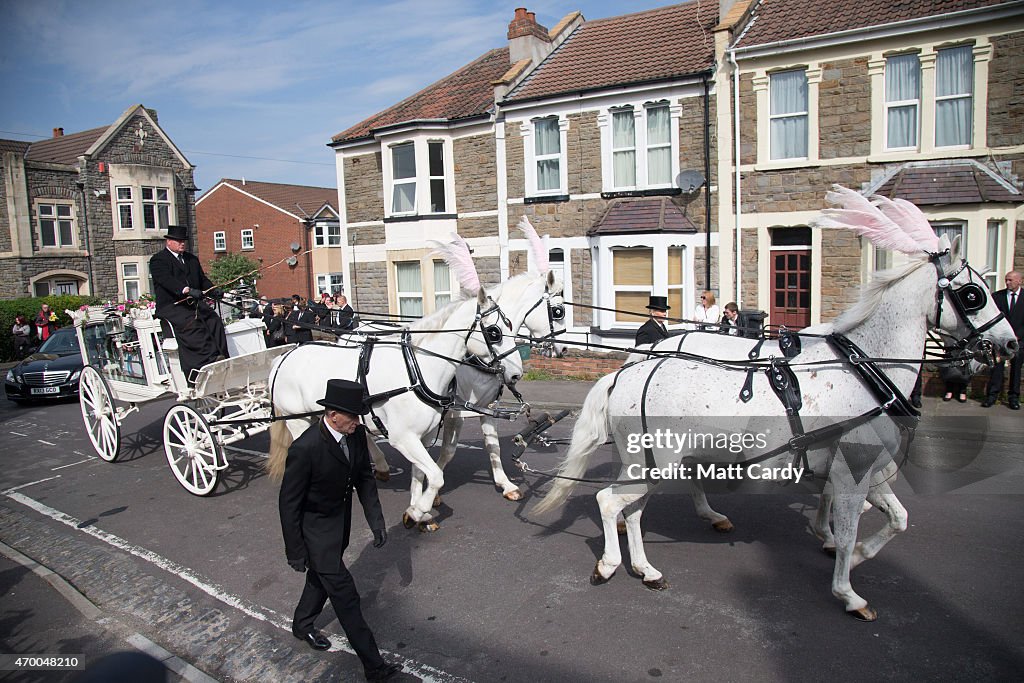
61 344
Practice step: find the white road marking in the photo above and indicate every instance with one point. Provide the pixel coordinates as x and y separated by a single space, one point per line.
54 469
425 672
8 492
19 434
46 442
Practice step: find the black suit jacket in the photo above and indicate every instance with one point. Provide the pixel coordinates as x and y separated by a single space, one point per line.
303 334
650 332
169 278
315 502
1016 316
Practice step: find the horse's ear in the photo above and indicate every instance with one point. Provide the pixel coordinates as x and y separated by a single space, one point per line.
481 296
551 279
954 249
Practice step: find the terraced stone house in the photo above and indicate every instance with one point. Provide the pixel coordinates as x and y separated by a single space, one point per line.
82 213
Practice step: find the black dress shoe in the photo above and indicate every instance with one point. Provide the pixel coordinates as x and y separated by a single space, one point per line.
988 403
315 639
916 402
384 672
1014 404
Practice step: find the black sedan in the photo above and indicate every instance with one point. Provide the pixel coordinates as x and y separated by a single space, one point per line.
51 372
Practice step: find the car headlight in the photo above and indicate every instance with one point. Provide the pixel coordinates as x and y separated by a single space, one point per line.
11 377
75 376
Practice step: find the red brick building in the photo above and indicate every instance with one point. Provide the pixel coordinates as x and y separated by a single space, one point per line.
287 228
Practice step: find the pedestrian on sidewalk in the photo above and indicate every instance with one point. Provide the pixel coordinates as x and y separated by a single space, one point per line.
1008 302
324 466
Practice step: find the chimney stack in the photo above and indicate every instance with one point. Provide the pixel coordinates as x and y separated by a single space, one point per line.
58 132
526 38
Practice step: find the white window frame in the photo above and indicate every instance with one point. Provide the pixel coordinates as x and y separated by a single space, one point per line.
334 283
642 145
159 200
327 235
125 200
248 236
532 159
50 210
994 231
620 153
407 180
949 224
901 104
432 178
409 294
804 114
220 241
672 144
451 293
616 289
969 96
128 278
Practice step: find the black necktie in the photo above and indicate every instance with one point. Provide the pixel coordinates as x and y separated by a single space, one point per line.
1013 300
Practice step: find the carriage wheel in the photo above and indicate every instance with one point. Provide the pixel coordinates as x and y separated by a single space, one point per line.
192 452
99 414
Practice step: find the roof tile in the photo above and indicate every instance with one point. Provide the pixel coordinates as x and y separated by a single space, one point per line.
65 149
656 214
295 199
966 183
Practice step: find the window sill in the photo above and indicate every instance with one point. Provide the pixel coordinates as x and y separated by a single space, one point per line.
421 217
655 192
786 165
60 251
151 235
546 199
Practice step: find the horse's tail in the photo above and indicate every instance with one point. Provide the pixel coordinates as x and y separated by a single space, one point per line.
280 440
590 431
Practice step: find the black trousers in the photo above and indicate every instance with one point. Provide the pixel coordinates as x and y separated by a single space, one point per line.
341 589
995 380
201 339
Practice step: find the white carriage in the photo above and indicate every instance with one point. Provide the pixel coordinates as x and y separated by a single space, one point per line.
129 361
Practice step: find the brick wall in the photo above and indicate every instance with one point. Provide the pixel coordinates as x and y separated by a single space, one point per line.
230 212
364 188
844 108
577 364
476 174
1006 91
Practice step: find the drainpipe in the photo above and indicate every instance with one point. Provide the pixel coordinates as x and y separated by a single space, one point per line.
707 182
85 227
736 180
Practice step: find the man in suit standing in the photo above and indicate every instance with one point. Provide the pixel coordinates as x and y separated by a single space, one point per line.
300 322
1008 301
653 331
344 313
324 466
181 289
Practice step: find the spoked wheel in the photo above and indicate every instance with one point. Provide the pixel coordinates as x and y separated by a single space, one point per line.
192 452
99 413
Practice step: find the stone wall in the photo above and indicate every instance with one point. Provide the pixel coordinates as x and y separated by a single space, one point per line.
367 234
514 170
840 272
1006 91
560 219
478 227
749 265
800 189
583 153
582 286
489 269
699 274
518 262
844 108
1018 250
748 120
370 286
476 173
364 188
6 222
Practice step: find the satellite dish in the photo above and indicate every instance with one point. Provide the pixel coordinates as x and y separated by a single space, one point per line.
690 181
294 246
292 261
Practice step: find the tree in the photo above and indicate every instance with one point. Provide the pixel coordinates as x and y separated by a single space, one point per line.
231 271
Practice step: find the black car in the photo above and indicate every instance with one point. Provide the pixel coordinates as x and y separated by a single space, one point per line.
51 372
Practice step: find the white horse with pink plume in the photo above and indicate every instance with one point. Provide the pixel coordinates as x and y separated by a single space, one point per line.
835 407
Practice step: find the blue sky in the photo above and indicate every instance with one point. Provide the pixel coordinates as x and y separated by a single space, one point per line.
244 79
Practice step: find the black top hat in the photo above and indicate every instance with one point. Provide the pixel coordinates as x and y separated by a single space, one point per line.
658 303
346 396
177 232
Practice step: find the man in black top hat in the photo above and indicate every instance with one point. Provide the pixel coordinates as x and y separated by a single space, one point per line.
324 466
653 331
181 289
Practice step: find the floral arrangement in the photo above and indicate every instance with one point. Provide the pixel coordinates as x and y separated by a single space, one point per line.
143 303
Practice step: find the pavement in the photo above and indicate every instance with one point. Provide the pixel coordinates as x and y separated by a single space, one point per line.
43 613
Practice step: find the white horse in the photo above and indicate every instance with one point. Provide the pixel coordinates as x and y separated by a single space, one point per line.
822 385
437 344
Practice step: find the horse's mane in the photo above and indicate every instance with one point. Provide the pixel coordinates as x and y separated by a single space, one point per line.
874 293
436 320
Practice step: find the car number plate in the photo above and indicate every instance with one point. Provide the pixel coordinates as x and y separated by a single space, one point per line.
45 390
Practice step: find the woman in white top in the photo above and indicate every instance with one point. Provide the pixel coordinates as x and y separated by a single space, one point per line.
707 312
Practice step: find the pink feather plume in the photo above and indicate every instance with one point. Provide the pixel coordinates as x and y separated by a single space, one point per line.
540 252
856 213
909 217
460 261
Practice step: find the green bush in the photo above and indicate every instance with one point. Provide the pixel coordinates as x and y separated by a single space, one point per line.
9 308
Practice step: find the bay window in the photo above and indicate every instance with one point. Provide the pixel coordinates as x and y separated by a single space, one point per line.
632 282
409 286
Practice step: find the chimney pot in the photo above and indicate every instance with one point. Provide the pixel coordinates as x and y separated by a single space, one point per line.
532 16
520 13
58 132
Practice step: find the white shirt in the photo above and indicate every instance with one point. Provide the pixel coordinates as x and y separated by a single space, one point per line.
707 315
338 436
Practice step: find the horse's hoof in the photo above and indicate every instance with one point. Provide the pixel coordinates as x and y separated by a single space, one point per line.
382 476
596 579
620 527
723 526
437 500
513 495
407 521
429 526
656 584
829 550
864 614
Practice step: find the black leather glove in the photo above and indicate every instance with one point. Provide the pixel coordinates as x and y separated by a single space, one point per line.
380 537
215 294
298 565
196 293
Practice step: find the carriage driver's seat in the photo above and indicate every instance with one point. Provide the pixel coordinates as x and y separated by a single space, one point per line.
169 344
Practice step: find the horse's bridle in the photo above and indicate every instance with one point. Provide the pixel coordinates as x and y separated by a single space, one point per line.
967 299
492 335
556 313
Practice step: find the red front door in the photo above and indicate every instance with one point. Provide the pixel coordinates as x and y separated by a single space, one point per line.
791 288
